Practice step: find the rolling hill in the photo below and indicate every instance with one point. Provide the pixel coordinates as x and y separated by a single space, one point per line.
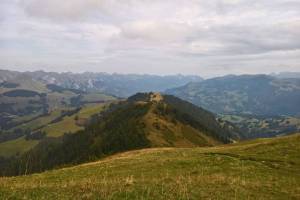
58 122
258 169
252 126
24 99
144 120
246 94
31 110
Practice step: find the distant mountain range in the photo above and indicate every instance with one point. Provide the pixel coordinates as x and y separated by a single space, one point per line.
27 95
245 94
273 103
120 85
286 75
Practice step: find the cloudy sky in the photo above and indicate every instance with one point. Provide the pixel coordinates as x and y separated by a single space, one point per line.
201 37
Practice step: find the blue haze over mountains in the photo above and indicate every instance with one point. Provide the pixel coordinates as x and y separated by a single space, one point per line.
231 94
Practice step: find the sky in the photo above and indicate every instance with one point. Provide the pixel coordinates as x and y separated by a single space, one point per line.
199 37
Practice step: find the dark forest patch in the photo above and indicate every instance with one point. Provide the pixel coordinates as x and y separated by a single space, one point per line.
21 93
6 84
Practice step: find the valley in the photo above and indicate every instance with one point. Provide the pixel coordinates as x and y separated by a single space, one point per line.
253 126
260 95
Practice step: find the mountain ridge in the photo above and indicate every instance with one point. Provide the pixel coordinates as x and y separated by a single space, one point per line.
244 94
121 85
144 120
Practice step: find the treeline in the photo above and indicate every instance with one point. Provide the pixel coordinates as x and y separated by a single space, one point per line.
59 89
11 135
6 84
32 134
17 133
118 131
21 93
7 110
37 135
65 113
199 118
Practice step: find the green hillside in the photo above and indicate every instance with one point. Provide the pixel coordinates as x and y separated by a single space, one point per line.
144 120
53 124
259 169
74 122
24 100
31 110
16 147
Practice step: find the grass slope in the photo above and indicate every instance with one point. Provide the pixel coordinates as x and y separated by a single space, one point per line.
164 131
260 169
40 121
66 125
17 146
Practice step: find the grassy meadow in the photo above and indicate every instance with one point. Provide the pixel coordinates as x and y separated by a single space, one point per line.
17 146
68 123
258 169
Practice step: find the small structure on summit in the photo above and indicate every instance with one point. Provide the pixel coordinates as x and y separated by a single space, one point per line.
156 97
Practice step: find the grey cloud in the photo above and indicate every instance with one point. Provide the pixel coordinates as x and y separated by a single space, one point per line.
153 36
60 10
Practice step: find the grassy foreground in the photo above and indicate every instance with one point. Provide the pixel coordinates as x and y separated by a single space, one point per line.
260 169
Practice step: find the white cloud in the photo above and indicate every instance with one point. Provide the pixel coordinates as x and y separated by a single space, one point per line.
171 36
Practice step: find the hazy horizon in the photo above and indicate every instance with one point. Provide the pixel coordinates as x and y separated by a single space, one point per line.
205 38
156 74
